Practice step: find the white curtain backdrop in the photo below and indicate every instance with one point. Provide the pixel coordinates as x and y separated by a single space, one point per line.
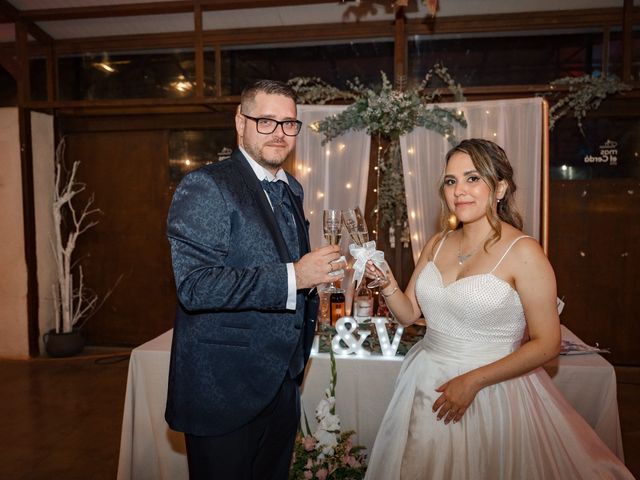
333 175
515 125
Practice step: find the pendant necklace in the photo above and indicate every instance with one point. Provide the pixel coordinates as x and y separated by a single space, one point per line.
463 258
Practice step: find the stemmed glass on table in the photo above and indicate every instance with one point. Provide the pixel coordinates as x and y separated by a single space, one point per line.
332 228
357 228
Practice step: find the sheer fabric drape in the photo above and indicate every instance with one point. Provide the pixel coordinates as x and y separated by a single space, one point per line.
333 175
515 125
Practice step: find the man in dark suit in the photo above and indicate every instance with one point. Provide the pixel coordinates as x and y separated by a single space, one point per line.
247 304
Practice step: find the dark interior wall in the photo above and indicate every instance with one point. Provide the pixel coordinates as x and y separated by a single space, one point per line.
8 89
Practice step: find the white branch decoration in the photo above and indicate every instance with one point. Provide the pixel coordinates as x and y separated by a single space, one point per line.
71 301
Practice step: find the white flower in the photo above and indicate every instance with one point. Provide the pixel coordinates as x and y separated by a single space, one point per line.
324 408
330 423
327 441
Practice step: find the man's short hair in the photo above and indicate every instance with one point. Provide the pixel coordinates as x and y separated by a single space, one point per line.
270 87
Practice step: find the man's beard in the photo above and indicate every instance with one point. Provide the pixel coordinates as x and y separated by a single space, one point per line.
270 160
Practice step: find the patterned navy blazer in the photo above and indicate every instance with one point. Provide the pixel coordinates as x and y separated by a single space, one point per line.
233 337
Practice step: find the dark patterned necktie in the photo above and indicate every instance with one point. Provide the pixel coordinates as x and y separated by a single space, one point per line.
283 211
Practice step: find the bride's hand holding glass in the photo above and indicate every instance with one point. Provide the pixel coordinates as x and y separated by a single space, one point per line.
382 276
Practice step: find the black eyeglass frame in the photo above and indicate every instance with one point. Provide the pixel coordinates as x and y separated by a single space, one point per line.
278 123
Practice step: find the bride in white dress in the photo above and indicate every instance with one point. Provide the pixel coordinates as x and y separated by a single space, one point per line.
471 400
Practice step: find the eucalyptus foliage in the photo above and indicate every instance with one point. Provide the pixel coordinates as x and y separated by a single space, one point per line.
388 113
384 110
585 93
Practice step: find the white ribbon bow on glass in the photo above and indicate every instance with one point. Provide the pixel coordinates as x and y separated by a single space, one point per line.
362 254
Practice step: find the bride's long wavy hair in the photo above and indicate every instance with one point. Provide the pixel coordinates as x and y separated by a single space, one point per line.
491 162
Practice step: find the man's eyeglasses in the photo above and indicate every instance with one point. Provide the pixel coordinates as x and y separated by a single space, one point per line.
265 126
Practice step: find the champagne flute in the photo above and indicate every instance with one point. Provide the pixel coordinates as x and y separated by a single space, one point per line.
363 231
356 225
357 228
332 228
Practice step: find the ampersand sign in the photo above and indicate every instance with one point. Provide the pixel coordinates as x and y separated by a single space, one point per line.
346 327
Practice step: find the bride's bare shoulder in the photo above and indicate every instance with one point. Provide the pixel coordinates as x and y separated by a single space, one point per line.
428 251
523 247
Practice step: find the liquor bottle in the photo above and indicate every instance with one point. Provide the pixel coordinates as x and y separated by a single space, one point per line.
363 303
383 310
336 306
323 311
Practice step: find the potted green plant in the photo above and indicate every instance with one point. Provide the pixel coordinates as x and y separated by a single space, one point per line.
73 302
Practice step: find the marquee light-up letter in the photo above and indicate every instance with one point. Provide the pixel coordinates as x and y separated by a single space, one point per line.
388 349
345 329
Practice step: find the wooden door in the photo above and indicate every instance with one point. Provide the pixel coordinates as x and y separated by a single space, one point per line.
594 247
129 173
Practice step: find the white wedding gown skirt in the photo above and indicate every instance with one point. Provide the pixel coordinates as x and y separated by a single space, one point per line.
518 429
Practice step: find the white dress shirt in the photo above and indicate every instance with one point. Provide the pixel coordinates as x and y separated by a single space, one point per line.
264 174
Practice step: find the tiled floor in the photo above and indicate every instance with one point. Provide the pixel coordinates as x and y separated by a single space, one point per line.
60 419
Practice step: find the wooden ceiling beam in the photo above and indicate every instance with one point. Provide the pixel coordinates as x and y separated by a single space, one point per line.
255 36
228 103
12 14
526 21
302 33
155 8
595 18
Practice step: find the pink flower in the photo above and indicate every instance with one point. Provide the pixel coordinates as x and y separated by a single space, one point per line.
322 474
309 464
308 474
309 443
348 444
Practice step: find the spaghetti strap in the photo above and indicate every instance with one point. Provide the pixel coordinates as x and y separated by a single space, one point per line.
507 251
440 245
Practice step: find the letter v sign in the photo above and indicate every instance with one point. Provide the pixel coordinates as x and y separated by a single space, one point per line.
388 349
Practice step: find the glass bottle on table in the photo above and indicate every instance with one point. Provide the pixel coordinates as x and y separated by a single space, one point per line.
383 310
363 303
336 305
324 312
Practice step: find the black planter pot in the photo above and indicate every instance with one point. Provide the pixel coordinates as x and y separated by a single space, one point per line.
63 344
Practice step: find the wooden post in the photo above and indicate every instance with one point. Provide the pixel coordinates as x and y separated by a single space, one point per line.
627 39
28 203
218 71
199 50
400 50
544 204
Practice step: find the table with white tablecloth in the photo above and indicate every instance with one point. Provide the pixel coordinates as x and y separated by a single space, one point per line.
150 450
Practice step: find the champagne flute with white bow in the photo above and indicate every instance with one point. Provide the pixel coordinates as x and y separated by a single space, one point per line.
332 228
357 227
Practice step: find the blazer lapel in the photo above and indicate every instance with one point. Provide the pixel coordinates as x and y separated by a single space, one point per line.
263 207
